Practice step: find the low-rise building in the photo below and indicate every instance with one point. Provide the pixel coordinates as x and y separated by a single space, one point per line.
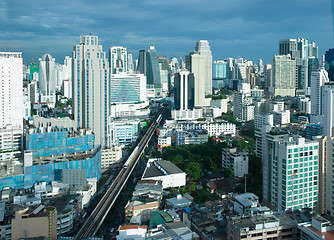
276 226
111 156
235 159
243 202
318 229
131 232
165 171
35 222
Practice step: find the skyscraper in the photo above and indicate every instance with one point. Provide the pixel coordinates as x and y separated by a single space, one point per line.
47 80
91 96
318 79
284 75
328 108
148 65
202 48
196 63
11 85
184 90
131 66
118 59
329 63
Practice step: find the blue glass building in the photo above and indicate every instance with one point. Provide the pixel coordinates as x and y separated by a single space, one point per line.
47 153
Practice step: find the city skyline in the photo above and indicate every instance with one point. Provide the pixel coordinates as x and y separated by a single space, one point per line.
233 29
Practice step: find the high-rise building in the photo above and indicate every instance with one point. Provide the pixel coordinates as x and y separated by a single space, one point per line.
196 63
284 75
131 66
219 70
184 90
327 91
148 64
126 87
203 48
329 63
292 172
288 46
47 80
91 87
33 68
11 85
165 73
243 107
118 59
318 79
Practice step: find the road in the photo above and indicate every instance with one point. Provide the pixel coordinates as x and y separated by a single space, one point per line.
95 220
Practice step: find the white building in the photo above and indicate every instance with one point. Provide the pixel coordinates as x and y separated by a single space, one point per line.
129 109
304 104
235 159
318 79
281 117
328 108
319 228
11 89
118 59
127 87
263 119
123 131
165 171
243 107
47 80
131 232
111 156
91 87
216 128
284 76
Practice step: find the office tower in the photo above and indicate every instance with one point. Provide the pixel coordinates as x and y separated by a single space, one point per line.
47 80
165 73
148 65
260 66
291 172
284 75
203 48
126 87
243 107
174 65
329 63
90 79
219 70
327 92
118 59
318 79
11 85
32 92
33 68
196 63
131 66
289 46
313 65
184 90
326 177
67 77
250 75
12 111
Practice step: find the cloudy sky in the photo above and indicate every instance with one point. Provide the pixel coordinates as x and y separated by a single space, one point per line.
234 28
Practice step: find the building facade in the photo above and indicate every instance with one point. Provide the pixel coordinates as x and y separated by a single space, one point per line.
91 87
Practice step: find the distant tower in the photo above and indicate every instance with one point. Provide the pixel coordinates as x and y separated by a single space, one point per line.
284 75
131 67
318 79
328 108
47 79
148 65
118 59
91 87
203 48
184 90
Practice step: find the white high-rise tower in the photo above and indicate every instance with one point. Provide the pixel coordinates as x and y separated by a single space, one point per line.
318 79
203 48
91 87
118 59
47 79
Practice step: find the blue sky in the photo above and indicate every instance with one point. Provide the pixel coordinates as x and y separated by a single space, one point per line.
234 28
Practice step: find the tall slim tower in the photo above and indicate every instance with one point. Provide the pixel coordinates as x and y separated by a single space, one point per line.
118 59
47 79
184 90
131 66
203 48
148 64
318 79
328 108
91 87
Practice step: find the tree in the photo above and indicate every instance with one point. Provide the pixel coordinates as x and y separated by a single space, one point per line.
194 170
228 172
